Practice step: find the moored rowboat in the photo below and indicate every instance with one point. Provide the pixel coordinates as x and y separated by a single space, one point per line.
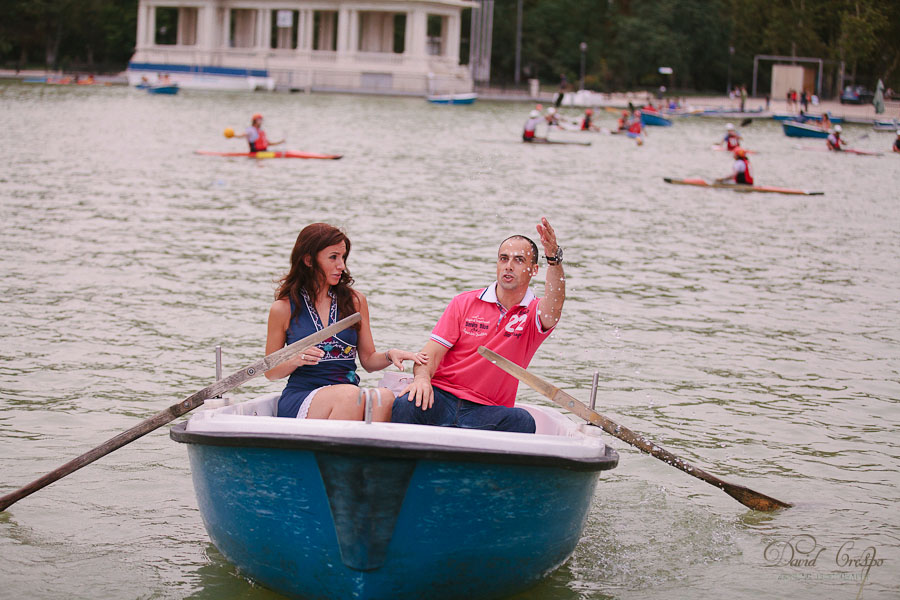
794 129
453 98
169 89
737 187
654 119
268 154
346 509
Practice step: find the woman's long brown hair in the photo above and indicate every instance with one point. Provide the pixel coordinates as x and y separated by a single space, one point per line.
313 239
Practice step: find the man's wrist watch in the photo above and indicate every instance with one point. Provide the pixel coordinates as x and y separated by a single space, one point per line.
556 258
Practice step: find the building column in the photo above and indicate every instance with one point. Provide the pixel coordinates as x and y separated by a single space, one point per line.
264 29
353 31
343 31
141 26
151 25
451 37
418 30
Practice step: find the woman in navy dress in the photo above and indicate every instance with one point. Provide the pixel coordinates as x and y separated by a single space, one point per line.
316 292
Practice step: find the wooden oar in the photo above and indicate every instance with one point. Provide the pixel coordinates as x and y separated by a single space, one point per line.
176 410
745 496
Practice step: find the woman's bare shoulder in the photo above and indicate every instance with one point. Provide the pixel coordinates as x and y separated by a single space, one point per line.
281 309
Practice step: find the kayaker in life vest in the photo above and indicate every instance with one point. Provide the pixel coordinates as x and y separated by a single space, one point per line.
732 139
636 128
587 121
255 135
896 147
834 140
551 117
534 118
623 121
740 170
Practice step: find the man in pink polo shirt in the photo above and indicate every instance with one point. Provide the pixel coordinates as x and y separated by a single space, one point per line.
457 387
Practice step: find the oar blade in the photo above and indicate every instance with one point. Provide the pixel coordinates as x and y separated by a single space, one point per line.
751 499
745 496
176 410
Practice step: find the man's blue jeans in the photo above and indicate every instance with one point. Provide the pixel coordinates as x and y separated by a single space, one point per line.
450 411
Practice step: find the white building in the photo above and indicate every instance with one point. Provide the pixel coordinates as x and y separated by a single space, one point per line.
381 46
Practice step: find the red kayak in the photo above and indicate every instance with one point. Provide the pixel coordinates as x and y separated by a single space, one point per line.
739 187
721 148
841 151
268 154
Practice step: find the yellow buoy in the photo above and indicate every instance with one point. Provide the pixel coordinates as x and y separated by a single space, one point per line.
229 132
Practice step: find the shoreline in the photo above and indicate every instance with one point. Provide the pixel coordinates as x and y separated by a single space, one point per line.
851 113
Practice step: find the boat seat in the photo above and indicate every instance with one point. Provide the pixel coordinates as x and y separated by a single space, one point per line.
548 421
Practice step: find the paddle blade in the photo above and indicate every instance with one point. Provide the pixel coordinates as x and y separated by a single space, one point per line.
751 499
746 122
745 496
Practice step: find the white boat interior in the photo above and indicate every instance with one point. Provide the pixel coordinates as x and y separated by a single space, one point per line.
556 434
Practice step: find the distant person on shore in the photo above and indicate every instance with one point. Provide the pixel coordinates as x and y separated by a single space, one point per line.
534 119
732 138
743 94
740 169
787 101
768 100
255 135
316 292
804 101
896 146
834 140
563 87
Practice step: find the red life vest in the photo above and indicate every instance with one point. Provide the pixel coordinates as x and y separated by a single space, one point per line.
744 177
586 124
635 127
261 142
732 142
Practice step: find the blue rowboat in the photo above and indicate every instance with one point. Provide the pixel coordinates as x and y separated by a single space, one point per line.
453 98
651 118
346 509
163 89
807 117
792 129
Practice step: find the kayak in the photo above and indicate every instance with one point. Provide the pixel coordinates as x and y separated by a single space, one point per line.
841 151
738 187
267 154
719 147
540 140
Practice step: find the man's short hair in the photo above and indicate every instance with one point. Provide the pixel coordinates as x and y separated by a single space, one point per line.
534 250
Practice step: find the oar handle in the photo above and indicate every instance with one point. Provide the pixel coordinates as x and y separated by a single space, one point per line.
176 410
745 496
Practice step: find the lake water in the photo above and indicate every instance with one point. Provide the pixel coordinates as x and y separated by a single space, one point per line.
755 335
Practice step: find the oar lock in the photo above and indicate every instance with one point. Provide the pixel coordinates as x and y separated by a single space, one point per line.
366 397
222 400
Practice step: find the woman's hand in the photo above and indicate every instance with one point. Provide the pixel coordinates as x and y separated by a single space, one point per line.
396 357
307 357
